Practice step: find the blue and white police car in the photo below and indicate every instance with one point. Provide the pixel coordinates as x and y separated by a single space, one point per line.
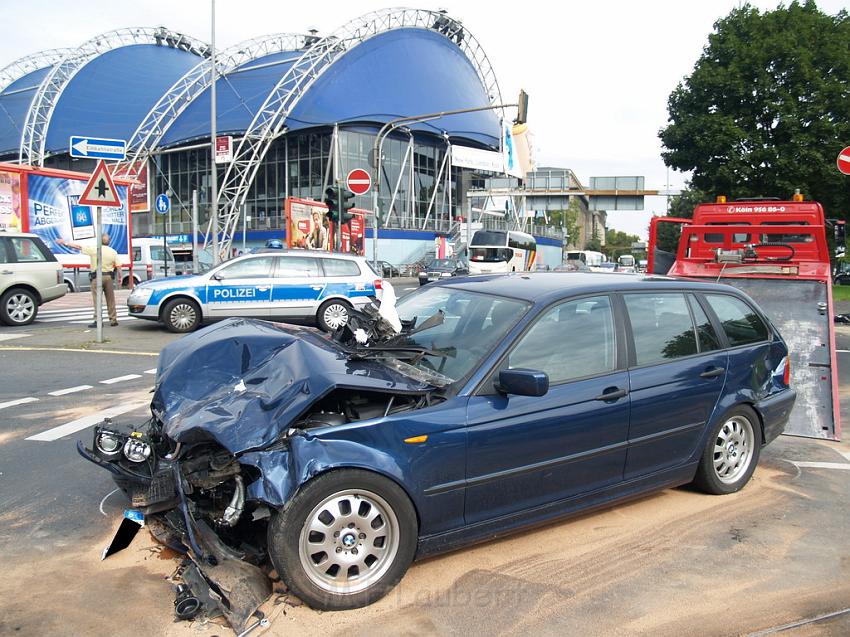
281 284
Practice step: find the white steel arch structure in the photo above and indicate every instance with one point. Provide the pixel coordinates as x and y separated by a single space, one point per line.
193 83
269 121
25 65
34 137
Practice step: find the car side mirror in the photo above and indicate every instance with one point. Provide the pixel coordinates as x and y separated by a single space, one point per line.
217 277
523 382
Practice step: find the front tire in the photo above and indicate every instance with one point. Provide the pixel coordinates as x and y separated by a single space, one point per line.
181 315
333 314
18 306
731 452
345 540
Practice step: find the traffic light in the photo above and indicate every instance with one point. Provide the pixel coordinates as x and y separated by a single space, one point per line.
332 202
346 204
522 108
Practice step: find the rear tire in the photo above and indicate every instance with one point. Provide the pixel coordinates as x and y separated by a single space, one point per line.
181 315
345 540
333 314
731 452
18 306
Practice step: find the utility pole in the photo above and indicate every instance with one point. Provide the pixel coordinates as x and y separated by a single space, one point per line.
214 171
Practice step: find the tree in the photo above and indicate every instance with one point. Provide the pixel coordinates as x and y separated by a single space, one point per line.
617 243
766 109
593 244
568 220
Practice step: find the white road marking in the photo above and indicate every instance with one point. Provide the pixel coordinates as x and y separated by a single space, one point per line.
120 379
9 337
150 371
19 401
842 351
86 421
841 466
70 390
102 512
407 289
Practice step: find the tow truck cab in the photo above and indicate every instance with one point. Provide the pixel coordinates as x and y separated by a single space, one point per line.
775 251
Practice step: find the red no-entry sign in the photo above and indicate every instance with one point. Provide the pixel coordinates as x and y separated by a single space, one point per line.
359 181
843 161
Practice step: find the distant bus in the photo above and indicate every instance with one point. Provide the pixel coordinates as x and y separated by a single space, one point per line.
499 251
626 260
590 258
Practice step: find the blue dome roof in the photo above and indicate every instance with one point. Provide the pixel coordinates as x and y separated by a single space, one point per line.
14 104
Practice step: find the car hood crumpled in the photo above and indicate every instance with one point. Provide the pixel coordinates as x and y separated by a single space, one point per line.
242 382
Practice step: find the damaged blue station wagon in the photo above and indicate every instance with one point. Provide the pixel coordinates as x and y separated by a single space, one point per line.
486 405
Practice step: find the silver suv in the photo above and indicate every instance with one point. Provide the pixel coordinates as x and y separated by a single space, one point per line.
29 276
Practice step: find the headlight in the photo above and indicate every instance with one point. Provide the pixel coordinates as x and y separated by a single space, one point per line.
446 274
140 296
136 450
108 443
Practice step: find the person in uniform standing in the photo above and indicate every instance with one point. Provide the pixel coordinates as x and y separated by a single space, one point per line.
110 270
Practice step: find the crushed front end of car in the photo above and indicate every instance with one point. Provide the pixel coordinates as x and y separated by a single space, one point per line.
230 440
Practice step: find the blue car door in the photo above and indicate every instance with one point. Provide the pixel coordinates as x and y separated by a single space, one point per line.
240 288
527 451
678 373
297 286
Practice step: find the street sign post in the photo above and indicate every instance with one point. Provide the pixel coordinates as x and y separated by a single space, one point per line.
843 161
163 206
359 181
224 149
97 148
100 192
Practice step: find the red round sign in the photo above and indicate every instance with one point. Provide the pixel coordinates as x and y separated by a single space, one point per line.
359 181
843 161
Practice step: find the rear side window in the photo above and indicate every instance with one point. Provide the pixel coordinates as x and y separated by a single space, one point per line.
27 250
296 267
4 257
661 327
740 322
706 335
137 255
340 267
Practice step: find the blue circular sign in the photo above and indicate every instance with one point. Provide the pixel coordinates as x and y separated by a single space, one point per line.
162 204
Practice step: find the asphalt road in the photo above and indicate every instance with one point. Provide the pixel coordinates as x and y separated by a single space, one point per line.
672 563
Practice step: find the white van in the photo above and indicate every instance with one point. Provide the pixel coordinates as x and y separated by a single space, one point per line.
149 260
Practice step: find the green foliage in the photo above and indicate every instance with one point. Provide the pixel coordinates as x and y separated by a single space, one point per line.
617 243
568 220
593 244
841 292
766 109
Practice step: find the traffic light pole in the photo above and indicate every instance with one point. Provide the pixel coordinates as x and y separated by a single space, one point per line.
338 233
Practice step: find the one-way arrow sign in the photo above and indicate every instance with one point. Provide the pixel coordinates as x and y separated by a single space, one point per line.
100 190
98 148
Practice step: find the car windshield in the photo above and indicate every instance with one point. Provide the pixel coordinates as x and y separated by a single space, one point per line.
441 264
473 324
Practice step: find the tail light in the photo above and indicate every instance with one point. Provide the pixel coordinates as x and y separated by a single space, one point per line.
786 377
60 276
149 269
379 284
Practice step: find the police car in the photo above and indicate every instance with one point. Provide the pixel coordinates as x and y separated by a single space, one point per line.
282 284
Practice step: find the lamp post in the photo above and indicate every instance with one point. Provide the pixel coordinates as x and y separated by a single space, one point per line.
214 171
377 151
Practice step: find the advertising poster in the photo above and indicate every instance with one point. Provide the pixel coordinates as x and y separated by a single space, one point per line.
53 213
306 224
140 200
353 233
10 201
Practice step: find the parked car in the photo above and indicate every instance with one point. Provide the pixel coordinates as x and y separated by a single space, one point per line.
572 265
501 403
271 283
441 268
77 279
388 270
150 258
30 276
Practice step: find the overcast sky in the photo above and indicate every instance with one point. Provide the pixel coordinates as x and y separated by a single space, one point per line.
598 73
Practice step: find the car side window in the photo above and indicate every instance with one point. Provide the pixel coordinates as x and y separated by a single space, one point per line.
26 250
340 267
137 255
296 267
257 268
4 256
662 328
708 341
740 322
570 340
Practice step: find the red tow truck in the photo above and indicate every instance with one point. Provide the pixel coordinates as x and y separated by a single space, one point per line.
776 252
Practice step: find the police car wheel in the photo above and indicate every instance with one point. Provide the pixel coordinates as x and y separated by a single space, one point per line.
333 314
181 315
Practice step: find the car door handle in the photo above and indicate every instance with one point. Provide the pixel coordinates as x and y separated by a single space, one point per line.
6 272
713 372
612 393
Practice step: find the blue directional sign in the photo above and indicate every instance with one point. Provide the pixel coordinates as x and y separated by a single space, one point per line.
162 204
98 148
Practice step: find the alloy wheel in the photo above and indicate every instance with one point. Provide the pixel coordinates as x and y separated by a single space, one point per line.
20 307
335 316
733 449
182 316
